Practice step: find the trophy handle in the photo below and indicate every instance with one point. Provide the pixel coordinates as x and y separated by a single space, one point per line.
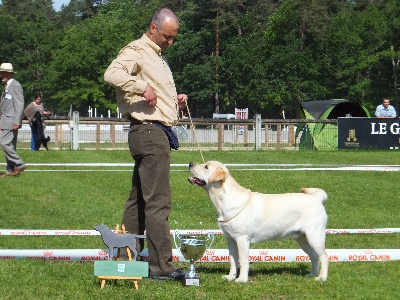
177 236
210 237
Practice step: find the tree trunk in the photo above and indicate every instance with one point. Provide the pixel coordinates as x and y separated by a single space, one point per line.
217 56
395 64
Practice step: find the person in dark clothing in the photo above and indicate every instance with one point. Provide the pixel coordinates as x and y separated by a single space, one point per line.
37 125
31 112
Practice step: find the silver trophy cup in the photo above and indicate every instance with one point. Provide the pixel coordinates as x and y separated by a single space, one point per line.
192 248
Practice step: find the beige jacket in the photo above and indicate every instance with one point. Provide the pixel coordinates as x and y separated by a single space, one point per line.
137 64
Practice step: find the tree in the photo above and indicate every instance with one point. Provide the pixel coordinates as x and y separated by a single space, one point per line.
392 12
265 55
78 10
25 10
28 36
87 49
356 44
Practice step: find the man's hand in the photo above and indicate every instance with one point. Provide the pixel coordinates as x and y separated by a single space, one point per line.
150 96
182 99
15 127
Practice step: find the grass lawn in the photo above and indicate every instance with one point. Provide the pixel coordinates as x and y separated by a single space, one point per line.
80 197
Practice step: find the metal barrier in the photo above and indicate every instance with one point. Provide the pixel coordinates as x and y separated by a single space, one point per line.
204 134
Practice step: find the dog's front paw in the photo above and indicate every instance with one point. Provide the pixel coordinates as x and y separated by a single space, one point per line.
319 278
241 279
229 277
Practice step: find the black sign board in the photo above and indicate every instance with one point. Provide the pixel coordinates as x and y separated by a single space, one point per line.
369 133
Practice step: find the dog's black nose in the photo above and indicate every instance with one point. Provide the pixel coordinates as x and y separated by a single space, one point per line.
191 164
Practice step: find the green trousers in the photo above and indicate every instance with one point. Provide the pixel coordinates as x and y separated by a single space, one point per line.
149 203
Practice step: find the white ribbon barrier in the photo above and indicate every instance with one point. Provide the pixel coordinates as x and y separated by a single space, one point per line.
294 255
328 231
55 254
253 167
211 255
39 232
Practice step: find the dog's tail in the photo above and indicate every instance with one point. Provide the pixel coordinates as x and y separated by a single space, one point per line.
318 193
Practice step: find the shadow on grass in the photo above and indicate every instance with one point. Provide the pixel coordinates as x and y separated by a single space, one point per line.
258 269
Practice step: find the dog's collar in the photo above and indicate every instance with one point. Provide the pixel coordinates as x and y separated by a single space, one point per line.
223 221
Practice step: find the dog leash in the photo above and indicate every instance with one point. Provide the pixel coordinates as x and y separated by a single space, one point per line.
194 133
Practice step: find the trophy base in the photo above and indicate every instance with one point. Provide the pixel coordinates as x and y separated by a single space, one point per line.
187 281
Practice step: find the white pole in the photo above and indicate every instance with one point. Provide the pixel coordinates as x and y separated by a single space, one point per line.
258 132
75 130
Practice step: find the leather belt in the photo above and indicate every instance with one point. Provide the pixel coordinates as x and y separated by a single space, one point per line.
137 122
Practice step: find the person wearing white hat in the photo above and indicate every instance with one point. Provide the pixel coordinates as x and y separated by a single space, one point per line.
11 108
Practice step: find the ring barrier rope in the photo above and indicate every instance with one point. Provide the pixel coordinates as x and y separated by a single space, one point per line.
186 165
210 255
255 167
79 232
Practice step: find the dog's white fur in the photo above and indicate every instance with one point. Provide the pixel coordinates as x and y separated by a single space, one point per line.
246 217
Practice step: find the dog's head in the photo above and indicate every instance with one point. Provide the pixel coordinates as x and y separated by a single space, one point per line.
100 227
208 173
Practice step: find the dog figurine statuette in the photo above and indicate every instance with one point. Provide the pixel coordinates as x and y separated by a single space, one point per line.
114 240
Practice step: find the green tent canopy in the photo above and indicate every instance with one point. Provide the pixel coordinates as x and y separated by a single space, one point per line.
324 136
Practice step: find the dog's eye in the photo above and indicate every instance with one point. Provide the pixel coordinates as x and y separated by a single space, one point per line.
206 167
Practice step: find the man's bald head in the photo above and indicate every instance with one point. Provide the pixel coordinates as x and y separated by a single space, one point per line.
164 15
163 28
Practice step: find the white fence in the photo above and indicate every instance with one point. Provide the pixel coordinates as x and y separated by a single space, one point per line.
205 134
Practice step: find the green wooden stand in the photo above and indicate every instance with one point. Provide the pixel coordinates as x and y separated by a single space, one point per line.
126 270
117 269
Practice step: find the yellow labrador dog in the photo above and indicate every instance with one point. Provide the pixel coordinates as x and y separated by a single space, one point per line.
246 217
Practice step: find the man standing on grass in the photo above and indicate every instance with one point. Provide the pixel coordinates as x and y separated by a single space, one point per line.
11 108
147 96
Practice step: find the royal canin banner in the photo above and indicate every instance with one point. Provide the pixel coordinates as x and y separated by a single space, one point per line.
210 255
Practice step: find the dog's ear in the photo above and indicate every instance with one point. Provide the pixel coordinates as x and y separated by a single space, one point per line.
217 175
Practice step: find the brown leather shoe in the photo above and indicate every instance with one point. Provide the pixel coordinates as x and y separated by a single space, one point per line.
5 174
17 171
